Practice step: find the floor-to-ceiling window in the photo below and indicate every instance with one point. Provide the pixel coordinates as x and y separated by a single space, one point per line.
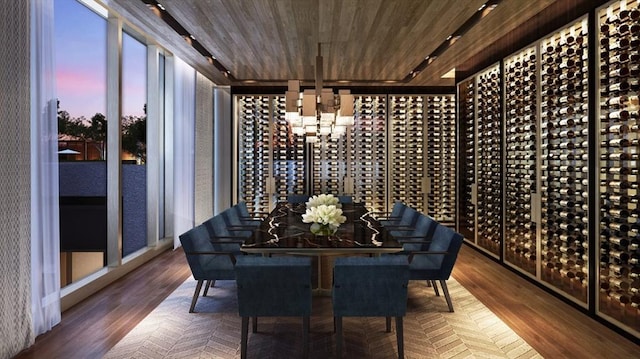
81 48
134 144
83 70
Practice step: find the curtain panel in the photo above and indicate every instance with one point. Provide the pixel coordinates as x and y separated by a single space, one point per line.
45 225
184 144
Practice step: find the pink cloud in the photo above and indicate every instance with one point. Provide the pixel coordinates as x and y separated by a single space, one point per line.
82 92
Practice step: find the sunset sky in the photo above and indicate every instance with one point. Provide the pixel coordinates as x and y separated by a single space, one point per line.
81 63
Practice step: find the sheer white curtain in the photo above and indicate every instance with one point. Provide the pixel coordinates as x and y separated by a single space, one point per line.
184 143
45 233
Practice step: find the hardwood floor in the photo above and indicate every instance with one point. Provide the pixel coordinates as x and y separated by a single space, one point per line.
554 328
89 329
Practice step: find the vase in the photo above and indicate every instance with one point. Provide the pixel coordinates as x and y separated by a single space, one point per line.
320 229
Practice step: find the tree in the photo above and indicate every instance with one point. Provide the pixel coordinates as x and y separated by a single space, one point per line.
134 137
134 132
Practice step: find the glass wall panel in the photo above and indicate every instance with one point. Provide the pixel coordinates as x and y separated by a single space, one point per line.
369 152
406 163
520 237
564 183
618 293
81 38
440 161
134 139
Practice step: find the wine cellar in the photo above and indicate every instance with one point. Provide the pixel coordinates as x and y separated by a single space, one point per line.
618 67
534 160
559 118
400 148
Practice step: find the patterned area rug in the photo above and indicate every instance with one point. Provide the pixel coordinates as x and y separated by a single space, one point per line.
170 331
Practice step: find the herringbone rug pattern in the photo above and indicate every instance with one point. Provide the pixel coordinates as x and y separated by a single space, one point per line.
170 331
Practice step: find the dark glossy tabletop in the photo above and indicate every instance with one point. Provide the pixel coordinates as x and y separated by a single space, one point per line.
284 231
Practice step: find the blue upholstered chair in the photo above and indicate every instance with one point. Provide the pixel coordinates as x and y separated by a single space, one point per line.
221 230
223 239
207 262
396 213
273 287
370 287
297 198
236 225
419 235
407 220
436 263
245 215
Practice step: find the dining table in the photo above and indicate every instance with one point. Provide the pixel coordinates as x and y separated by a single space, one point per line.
283 232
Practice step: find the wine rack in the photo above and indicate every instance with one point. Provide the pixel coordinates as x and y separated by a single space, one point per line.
369 151
554 95
441 157
520 101
288 154
406 152
379 160
254 117
619 229
329 165
467 166
489 161
564 181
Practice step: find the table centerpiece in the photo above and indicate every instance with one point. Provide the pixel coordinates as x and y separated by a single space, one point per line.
324 214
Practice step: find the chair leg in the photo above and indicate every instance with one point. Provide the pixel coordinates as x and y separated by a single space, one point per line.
446 294
338 324
195 296
388 320
306 328
435 287
400 337
255 324
207 286
243 337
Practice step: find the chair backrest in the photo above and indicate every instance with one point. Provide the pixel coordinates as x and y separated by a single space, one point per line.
242 209
398 209
297 198
409 217
217 226
345 199
424 229
370 286
218 234
233 218
425 226
273 286
203 265
445 239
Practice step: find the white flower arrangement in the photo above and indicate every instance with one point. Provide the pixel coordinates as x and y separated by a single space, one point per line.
323 199
324 215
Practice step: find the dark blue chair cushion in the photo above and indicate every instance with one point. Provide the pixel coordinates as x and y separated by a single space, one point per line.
205 266
273 286
370 286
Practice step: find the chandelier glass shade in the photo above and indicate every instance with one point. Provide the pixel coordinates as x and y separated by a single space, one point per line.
319 111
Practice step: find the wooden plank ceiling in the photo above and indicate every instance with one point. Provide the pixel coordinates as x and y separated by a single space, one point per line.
367 42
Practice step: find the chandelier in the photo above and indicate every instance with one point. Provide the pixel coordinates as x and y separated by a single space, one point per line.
317 112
